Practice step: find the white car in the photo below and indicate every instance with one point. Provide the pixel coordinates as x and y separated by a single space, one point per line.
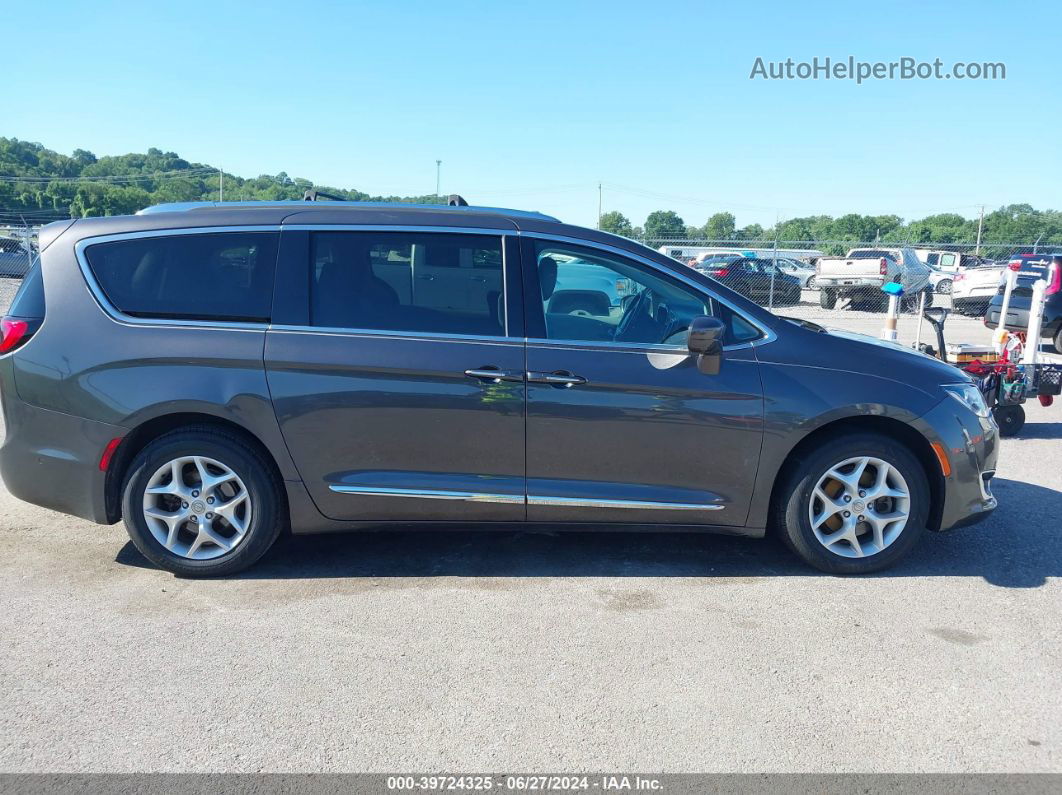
941 281
973 287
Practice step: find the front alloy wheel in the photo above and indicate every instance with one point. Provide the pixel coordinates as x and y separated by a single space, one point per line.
859 507
852 505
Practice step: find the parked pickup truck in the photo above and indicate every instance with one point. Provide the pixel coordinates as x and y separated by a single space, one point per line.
860 275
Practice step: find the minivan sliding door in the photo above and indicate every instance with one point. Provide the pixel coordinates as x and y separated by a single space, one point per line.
397 373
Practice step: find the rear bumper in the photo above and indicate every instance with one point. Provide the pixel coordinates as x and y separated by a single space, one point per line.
1018 315
52 459
854 283
975 293
971 444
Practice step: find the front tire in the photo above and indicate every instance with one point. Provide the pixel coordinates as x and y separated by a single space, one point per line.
827 298
854 505
201 502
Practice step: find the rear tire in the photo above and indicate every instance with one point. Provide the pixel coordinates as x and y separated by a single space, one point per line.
827 298
178 536
1057 341
944 287
881 541
1010 419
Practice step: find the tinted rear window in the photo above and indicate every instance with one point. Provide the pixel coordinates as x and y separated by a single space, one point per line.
29 300
871 253
224 276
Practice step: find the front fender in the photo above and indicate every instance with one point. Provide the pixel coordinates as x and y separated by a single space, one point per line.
800 400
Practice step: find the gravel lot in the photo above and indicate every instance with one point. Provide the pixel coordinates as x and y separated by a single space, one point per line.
510 652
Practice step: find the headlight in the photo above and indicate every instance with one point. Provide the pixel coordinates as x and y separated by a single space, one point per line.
970 396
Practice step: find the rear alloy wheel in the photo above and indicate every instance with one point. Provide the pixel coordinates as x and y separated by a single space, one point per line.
197 508
812 284
944 287
855 505
201 502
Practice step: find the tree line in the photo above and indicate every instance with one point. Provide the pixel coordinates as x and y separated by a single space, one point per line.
1014 223
43 184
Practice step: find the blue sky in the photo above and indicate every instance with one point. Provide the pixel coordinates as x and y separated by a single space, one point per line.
531 105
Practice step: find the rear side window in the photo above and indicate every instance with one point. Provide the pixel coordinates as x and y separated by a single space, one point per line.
29 300
414 282
225 276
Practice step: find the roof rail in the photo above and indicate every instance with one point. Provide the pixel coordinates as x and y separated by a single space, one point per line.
454 204
313 195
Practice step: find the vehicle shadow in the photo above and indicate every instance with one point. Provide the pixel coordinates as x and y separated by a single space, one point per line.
1041 430
1017 547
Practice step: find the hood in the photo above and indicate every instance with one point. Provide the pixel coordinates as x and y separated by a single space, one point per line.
898 362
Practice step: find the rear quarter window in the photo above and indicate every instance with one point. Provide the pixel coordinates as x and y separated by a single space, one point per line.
226 276
29 300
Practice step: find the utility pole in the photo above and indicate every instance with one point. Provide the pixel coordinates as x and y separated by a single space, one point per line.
599 205
221 185
438 169
980 228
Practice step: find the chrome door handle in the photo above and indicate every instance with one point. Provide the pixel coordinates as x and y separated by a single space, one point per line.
561 378
494 375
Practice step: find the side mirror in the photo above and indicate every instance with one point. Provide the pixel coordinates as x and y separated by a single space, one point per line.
706 342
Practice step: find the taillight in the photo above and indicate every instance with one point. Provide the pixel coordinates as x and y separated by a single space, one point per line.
15 331
1054 279
720 274
958 277
884 268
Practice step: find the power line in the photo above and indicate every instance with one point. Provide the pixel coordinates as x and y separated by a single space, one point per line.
197 172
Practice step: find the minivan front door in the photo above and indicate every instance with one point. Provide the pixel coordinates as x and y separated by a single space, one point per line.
621 425
401 398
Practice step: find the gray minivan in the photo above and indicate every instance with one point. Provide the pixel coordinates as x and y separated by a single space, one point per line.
216 373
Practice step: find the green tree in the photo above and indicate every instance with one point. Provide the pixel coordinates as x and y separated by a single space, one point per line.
751 232
720 226
616 223
664 225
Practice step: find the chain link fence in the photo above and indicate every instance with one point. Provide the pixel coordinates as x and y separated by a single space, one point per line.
18 247
838 280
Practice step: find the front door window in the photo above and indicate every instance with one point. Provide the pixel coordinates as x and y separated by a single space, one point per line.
592 296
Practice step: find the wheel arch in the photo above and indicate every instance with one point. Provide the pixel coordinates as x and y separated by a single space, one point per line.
889 427
149 430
